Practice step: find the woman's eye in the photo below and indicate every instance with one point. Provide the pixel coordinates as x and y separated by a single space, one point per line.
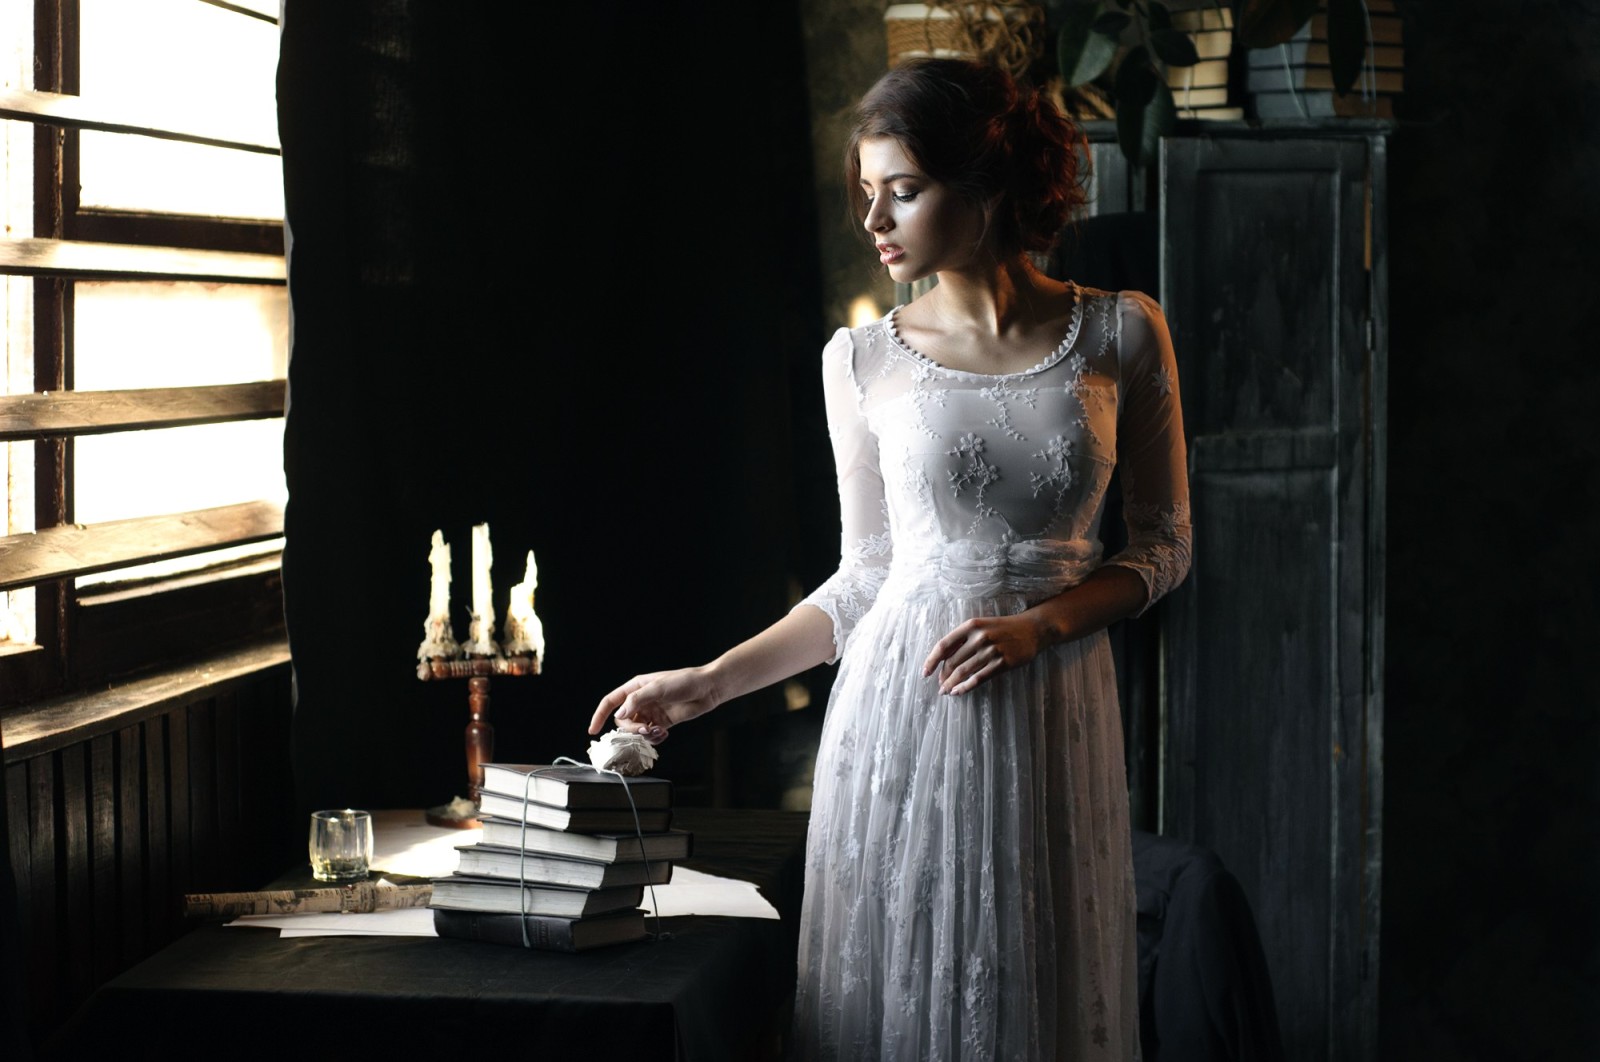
904 197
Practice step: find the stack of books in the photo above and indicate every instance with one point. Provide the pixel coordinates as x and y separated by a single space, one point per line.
1295 80
562 864
1201 91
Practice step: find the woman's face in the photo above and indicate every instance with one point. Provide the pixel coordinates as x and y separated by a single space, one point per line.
919 225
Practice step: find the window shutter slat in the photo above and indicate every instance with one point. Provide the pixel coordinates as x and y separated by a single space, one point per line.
64 552
109 261
76 112
59 413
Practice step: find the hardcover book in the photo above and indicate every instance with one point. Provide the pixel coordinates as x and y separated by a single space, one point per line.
462 893
1277 79
1219 17
1208 73
545 932
1193 98
499 861
575 787
1320 105
611 847
586 820
1310 52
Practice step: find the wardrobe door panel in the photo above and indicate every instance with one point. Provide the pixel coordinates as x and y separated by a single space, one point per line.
1271 280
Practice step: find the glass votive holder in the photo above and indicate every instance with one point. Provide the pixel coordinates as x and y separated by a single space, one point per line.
341 844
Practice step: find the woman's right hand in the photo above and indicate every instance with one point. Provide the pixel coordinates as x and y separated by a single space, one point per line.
649 705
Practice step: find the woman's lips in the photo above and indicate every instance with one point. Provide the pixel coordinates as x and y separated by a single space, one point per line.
889 253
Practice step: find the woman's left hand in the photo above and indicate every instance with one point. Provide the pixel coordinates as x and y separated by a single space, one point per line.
982 647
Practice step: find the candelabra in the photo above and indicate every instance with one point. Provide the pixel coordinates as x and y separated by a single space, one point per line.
477 670
441 657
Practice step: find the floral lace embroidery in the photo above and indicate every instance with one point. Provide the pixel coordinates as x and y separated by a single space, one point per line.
978 473
1061 477
1000 394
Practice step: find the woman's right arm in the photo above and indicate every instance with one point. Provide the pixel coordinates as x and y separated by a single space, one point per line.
651 704
816 630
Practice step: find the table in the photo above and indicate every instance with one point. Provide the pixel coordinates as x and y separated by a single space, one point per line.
713 988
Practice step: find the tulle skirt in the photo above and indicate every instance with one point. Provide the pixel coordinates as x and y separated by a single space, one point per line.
969 880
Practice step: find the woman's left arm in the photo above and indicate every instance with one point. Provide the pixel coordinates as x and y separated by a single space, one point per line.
1153 461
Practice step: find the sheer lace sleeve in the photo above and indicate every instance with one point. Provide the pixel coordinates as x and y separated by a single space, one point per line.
1150 449
866 549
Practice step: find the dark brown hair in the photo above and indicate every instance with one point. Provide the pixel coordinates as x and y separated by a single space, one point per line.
969 126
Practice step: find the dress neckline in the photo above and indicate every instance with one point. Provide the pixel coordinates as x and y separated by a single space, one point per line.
891 326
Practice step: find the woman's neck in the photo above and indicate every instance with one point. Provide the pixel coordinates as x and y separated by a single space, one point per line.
1007 296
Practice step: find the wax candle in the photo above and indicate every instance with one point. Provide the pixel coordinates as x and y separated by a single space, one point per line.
438 640
524 631
482 560
480 640
439 591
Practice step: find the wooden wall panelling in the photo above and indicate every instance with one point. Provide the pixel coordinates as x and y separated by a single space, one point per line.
78 913
102 796
106 833
158 916
230 841
44 960
179 853
131 883
203 854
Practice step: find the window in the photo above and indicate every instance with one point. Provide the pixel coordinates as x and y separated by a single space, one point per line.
146 331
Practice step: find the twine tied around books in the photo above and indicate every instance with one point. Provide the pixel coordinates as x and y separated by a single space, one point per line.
522 847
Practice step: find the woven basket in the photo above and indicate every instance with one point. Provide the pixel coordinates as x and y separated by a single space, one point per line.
1004 32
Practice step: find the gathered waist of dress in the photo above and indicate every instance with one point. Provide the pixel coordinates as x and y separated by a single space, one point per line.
1035 568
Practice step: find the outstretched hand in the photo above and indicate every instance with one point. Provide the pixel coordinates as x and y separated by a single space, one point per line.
982 647
649 705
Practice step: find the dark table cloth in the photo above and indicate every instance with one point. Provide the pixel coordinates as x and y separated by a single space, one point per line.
711 988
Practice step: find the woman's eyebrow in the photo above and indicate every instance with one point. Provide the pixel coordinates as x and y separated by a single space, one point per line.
894 177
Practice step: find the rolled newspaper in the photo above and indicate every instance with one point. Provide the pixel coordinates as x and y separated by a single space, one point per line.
359 898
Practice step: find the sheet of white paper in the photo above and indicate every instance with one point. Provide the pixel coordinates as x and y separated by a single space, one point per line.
692 892
405 922
404 843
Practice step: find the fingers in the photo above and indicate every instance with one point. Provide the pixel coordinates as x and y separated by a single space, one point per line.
614 700
971 682
945 647
969 655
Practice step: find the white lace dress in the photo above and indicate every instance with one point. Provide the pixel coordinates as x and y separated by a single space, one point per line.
969 882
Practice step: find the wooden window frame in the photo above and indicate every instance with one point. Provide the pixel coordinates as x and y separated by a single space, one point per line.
89 637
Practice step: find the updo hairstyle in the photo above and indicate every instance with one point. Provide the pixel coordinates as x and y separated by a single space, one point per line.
969 126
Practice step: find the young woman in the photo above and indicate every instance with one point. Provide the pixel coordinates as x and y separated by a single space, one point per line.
969 886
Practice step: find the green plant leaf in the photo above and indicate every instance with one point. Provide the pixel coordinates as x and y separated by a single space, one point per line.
1266 23
1174 47
1082 53
1140 129
1347 42
1136 79
1157 16
1112 23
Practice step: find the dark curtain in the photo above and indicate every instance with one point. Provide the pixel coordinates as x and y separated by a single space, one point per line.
551 267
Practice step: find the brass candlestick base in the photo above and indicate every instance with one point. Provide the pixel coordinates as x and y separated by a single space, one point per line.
462 813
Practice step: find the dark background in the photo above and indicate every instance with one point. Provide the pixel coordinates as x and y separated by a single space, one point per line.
553 273
558 271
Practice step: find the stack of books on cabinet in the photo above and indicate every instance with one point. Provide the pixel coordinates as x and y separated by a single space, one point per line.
562 864
1295 80
1201 90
